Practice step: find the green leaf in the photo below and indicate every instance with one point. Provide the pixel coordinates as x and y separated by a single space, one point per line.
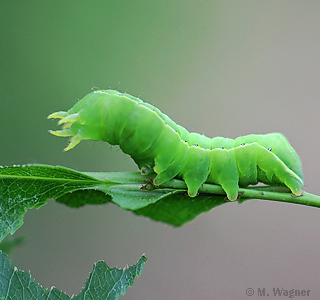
179 209
26 187
30 186
106 283
103 283
128 198
9 243
82 197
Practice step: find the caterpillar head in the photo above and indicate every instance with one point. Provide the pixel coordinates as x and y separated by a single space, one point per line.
83 121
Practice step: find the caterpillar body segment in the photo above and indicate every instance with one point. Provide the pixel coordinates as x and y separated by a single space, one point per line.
157 143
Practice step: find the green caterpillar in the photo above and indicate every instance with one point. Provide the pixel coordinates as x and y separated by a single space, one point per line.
156 143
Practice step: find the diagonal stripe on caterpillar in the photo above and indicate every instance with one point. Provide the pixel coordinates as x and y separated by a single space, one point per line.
156 143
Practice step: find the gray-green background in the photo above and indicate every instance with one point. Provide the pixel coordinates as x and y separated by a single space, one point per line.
224 68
